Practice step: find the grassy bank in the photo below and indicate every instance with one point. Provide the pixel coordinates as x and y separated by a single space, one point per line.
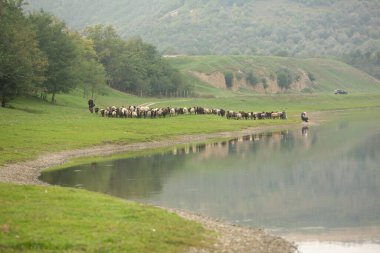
34 127
54 219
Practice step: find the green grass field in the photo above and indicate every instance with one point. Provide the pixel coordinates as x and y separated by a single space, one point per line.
34 127
54 219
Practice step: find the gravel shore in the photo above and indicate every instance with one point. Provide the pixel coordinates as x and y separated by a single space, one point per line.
231 238
236 239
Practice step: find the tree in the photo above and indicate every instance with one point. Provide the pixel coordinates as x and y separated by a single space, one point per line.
251 78
21 62
284 78
55 42
89 71
109 48
133 65
229 79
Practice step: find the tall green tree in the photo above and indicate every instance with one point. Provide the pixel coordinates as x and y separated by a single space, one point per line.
21 62
89 71
110 48
133 65
56 44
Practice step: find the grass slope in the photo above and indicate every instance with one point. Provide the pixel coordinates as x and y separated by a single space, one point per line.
34 127
329 74
54 219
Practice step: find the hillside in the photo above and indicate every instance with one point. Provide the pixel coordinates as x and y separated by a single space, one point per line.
348 29
262 74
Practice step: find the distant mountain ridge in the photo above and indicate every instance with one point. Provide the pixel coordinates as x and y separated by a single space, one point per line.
347 29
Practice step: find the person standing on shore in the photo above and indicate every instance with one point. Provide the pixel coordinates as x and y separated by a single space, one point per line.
91 105
304 117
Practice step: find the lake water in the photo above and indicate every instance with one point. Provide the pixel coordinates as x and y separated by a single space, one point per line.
316 185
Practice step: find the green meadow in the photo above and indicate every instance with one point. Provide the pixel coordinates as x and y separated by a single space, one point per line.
33 127
54 219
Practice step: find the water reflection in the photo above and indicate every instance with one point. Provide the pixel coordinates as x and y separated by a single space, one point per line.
305 130
325 177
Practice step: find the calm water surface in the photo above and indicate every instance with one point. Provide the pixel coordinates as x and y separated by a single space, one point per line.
316 185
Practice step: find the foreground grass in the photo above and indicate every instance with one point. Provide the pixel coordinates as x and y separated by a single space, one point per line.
54 219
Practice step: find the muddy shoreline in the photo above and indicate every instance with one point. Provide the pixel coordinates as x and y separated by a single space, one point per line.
231 238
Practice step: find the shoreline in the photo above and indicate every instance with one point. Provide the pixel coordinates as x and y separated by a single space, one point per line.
28 172
231 238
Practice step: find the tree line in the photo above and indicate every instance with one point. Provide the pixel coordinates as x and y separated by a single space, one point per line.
40 55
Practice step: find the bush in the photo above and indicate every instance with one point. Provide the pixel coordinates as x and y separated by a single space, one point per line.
307 90
239 75
311 77
284 78
265 83
229 78
251 78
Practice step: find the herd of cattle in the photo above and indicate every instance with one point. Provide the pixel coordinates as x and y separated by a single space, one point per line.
146 112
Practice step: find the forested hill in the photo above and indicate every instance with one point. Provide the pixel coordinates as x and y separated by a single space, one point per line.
347 29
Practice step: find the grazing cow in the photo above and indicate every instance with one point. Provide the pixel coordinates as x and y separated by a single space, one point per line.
283 115
173 111
102 112
200 110
124 112
229 114
222 112
275 115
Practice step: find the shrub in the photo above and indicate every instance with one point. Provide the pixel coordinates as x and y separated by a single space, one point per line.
284 78
265 83
239 75
311 76
229 78
251 78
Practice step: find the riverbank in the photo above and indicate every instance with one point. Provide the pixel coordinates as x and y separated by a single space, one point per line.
230 238
236 239
29 171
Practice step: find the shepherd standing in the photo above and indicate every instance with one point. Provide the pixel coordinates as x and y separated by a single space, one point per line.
304 117
91 105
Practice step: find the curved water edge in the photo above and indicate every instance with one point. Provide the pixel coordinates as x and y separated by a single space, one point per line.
317 179
231 237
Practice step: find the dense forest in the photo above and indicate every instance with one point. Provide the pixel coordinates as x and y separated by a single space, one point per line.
40 55
346 29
